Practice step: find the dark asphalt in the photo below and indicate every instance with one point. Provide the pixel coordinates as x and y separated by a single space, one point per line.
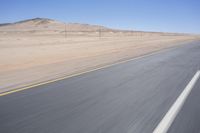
127 98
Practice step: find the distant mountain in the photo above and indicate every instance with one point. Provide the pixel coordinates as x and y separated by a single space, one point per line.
4 24
45 24
36 20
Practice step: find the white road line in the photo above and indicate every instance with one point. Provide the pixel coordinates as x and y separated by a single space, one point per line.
167 120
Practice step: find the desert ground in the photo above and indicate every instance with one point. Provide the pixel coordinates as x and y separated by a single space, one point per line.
38 50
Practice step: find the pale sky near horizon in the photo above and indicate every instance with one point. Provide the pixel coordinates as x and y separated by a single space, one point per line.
146 15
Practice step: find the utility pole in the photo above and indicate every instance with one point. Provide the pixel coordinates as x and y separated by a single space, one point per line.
99 32
65 30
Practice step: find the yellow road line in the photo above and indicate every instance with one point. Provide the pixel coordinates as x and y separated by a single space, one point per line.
25 87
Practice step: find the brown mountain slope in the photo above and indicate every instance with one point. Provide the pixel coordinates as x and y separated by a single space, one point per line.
40 24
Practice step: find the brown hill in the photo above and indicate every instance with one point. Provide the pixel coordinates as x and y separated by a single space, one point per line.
43 24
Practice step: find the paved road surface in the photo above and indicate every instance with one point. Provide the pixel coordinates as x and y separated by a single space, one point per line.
127 98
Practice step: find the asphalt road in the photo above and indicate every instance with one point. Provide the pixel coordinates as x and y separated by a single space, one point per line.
131 97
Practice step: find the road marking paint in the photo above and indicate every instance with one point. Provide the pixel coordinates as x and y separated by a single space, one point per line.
28 86
168 119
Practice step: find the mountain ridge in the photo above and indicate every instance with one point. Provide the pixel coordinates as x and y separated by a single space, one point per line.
48 24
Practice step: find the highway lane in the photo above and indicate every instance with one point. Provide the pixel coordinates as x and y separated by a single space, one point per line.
131 97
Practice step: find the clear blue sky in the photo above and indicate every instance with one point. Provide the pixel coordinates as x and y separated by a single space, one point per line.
148 15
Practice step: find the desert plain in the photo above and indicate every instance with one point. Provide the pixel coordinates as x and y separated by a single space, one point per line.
39 50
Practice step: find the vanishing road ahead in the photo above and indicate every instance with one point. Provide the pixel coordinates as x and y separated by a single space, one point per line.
131 97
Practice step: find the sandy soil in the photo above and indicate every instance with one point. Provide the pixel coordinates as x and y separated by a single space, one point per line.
39 49
30 58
